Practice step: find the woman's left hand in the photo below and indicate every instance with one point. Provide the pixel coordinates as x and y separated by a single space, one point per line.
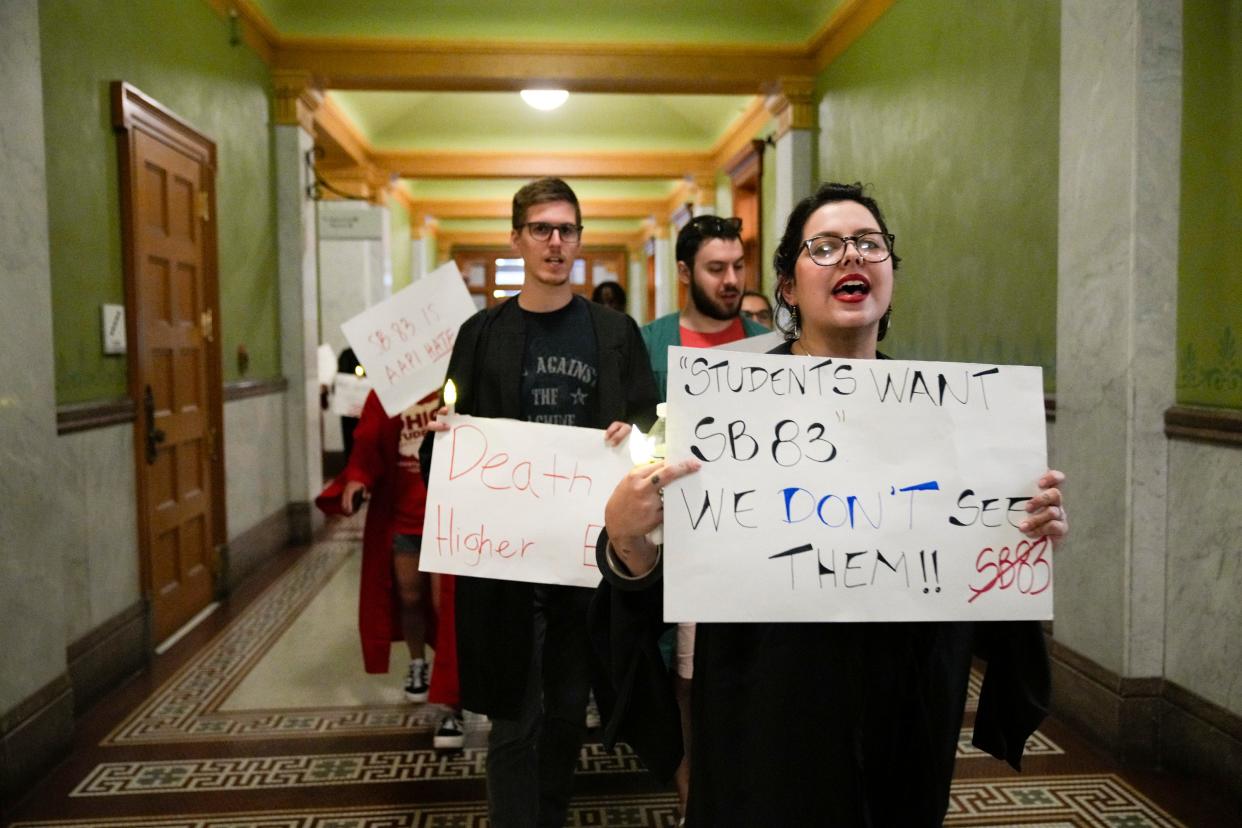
1046 515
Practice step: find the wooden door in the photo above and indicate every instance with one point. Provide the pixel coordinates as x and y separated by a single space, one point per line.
167 173
746 177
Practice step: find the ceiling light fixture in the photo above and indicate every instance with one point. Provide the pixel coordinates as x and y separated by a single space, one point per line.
545 99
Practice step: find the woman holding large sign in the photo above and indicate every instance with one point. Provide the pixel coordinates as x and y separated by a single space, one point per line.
816 723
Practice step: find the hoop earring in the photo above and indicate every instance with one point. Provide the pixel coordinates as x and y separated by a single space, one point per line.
886 322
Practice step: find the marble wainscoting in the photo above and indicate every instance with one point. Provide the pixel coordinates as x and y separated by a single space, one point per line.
256 477
1203 649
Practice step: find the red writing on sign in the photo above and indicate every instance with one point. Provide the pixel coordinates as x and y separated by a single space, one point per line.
1024 568
470 454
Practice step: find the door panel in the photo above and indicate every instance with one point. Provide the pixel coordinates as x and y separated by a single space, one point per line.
166 176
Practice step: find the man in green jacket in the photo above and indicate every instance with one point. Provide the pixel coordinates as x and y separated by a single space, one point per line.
711 263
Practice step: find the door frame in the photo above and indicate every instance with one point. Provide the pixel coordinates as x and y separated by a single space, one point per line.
133 110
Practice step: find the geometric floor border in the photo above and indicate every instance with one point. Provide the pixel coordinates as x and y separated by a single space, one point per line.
181 776
1100 800
186 775
184 708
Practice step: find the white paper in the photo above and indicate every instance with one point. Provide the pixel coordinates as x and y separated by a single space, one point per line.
405 341
518 501
350 394
829 490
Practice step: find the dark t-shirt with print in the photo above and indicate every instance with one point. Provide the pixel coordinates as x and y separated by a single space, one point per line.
561 366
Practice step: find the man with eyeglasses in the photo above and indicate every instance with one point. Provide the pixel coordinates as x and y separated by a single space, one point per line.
711 263
548 356
757 308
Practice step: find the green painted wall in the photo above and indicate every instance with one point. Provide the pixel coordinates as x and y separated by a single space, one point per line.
1209 295
399 252
182 59
950 110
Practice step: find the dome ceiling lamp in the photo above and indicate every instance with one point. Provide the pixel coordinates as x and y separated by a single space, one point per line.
544 99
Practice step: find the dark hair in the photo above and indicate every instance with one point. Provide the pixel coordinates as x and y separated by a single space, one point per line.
542 191
787 252
765 299
701 228
603 288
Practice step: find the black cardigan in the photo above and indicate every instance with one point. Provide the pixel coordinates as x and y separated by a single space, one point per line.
494 617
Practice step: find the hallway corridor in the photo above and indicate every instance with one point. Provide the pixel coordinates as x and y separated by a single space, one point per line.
262 717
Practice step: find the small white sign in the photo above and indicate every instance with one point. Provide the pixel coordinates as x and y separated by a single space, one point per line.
404 342
349 394
361 224
518 501
852 490
114 329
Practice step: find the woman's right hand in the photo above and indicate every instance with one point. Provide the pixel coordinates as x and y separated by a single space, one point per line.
636 506
352 488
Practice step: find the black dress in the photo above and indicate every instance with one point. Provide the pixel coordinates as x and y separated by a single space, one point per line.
810 724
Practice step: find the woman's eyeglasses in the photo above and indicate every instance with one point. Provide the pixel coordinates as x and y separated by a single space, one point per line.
828 249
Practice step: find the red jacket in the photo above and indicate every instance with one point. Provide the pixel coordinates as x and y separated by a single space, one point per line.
373 463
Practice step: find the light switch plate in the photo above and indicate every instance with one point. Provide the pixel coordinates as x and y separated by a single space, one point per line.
114 329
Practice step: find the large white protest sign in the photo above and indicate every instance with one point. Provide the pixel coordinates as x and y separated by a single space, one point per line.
852 490
518 501
405 341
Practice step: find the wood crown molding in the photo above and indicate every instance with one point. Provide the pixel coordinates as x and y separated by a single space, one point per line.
296 98
1222 426
792 102
502 208
848 23
447 239
612 165
333 124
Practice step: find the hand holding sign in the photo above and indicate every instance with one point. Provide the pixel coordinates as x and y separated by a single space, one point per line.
405 341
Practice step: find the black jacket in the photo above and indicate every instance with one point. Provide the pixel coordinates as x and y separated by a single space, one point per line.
494 618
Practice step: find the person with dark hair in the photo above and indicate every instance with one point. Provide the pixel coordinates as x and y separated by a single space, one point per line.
878 706
548 356
610 294
712 265
757 308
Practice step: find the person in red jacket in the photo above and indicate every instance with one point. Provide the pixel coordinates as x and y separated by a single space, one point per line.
395 597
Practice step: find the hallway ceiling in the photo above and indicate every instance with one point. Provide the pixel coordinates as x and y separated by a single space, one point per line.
426 91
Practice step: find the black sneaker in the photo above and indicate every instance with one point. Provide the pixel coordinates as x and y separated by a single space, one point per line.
416 681
451 735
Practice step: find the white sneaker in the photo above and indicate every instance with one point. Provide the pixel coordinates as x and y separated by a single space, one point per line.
451 734
417 681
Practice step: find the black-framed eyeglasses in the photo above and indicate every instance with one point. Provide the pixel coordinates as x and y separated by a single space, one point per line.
542 231
763 317
828 249
717 226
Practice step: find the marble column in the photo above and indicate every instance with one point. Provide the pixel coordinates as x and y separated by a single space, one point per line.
36 702
793 106
636 284
295 102
665 272
1116 330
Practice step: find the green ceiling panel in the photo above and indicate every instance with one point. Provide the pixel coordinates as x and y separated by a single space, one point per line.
506 187
500 121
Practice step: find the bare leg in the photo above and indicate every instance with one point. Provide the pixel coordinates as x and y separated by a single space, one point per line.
413 588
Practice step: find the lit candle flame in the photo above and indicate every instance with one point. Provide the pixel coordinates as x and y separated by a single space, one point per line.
450 394
642 447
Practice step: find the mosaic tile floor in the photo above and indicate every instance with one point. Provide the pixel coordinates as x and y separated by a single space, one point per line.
263 718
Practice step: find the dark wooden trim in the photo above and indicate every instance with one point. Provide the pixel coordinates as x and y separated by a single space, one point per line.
247 552
108 655
243 389
1050 408
1147 721
1222 426
33 736
36 701
85 416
